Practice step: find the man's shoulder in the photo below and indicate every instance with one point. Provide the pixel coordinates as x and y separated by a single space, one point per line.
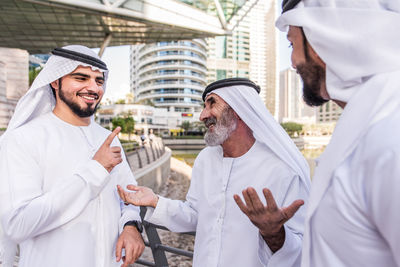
210 151
33 127
382 136
29 134
208 155
269 162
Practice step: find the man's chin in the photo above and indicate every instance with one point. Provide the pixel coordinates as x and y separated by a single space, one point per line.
312 98
84 113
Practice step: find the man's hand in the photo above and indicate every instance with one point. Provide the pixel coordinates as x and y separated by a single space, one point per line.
269 219
108 156
143 196
130 240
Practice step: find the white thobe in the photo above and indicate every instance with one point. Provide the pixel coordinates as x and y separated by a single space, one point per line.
356 223
224 235
58 203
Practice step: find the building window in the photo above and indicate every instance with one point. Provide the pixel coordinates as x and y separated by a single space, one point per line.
221 74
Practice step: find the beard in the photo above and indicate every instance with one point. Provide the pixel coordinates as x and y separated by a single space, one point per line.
313 77
222 129
78 110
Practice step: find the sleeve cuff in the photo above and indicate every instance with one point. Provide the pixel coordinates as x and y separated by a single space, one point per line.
264 252
95 175
289 249
129 213
157 215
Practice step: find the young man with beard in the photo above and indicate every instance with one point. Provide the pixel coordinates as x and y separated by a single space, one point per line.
348 51
59 170
245 148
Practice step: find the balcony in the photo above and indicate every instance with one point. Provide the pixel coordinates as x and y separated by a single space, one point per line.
154 48
170 85
171 57
179 65
173 76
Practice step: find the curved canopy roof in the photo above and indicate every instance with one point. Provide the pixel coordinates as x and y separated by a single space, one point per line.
40 25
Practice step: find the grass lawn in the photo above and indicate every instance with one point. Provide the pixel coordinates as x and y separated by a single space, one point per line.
187 158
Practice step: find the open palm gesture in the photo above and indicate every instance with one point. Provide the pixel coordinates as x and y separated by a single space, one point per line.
143 196
269 219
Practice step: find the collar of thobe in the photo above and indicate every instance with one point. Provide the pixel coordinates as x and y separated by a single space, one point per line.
245 101
39 98
358 41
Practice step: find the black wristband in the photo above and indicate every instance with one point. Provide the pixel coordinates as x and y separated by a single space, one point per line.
137 224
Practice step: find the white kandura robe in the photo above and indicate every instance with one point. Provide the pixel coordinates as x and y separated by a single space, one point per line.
225 236
61 206
356 223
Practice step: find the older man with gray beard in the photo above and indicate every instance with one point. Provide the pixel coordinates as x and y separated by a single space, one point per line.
246 149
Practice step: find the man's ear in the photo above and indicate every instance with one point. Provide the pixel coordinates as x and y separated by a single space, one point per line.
55 84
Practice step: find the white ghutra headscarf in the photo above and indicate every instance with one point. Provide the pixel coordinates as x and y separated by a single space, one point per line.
246 102
39 99
360 42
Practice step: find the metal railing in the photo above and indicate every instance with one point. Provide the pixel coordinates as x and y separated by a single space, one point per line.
157 248
146 153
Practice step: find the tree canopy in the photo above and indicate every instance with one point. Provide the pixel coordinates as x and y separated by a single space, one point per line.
291 128
127 124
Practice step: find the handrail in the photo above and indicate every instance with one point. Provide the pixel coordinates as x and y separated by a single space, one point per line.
157 248
145 153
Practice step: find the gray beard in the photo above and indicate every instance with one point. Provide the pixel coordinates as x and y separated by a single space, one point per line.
222 129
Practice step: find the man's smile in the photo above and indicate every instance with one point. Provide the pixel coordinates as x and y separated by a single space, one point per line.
210 123
88 97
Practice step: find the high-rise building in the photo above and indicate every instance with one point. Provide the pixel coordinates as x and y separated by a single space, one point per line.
250 52
14 81
171 75
291 104
328 112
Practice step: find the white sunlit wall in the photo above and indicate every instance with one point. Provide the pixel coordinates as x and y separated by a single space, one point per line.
14 80
170 75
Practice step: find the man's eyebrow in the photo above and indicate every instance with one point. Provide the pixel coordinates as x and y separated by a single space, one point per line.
86 75
80 74
211 100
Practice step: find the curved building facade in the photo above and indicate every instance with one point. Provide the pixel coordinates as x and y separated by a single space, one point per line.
171 75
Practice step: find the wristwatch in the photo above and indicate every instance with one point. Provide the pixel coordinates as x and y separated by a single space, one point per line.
137 224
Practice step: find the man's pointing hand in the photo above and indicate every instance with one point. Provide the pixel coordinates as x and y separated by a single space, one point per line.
109 156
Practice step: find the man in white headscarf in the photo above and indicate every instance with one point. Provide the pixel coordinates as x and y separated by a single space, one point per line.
59 170
246 148
348 51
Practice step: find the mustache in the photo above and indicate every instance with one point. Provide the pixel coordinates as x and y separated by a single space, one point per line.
209 121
